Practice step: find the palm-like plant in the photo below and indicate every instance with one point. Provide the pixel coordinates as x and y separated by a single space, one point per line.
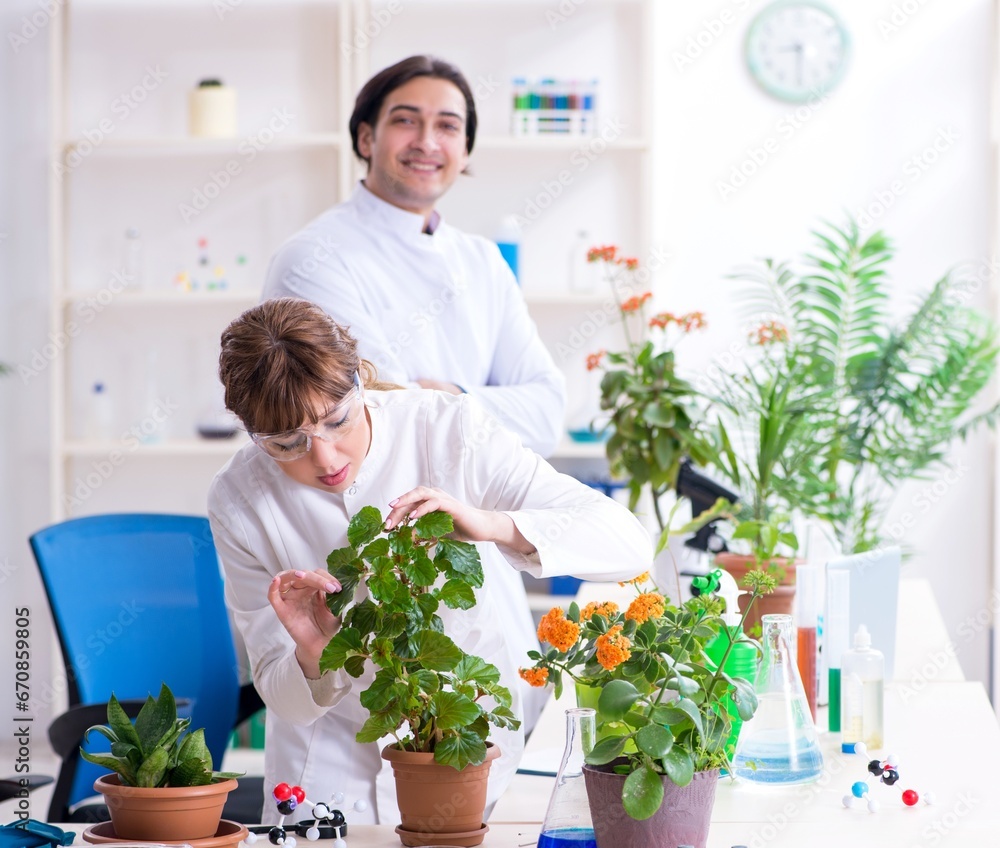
889 400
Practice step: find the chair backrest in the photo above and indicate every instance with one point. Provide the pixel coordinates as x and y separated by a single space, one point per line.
137 599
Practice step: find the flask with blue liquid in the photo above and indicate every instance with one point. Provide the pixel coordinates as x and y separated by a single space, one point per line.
779 745
567 822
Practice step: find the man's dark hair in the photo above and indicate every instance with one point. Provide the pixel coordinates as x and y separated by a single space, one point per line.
373 94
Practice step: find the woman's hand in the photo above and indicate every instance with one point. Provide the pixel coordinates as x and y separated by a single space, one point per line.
299 600
471 524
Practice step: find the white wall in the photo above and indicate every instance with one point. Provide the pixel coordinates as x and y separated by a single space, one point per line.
913 79
901 91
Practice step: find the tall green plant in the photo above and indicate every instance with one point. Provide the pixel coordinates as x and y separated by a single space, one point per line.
889 399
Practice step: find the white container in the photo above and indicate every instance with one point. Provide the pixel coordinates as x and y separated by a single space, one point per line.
862 686
582 274
100 414
212 110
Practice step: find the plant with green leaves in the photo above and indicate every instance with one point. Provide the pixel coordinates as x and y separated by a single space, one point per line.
887 400
427 692
654 415
157 750
664 699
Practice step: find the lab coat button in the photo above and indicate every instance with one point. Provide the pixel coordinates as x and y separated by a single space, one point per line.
353 490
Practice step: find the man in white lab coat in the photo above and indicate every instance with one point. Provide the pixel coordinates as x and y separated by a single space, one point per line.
429 305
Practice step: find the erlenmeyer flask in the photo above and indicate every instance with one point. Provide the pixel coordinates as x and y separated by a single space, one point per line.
567 821
779 744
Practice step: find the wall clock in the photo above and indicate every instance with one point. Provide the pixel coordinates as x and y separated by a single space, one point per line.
797 51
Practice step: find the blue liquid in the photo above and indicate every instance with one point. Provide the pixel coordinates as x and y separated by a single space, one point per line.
568 837
774 761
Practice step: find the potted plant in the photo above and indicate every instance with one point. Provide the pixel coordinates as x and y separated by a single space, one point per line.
654 421
437 701
663 709
164 787
888 400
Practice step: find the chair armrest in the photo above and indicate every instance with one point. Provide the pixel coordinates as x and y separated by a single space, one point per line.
11 787
250 703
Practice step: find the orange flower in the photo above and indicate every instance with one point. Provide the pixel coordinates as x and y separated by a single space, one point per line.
557 630
634 304
768 333
605 253
606 608
594 360
613 648
630 263
534 676
647 605
635 581
692 321
663 320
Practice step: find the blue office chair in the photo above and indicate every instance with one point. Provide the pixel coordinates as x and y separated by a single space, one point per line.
138 600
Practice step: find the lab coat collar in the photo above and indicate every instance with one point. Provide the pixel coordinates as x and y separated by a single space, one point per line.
406 224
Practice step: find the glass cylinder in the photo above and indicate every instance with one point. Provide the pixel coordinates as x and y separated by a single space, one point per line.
779 745
567 822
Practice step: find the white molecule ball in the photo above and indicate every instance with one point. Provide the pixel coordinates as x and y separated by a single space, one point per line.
312 834
928 797
339 843
290 842
860 748
321 811
338 798
873 805
848 801
360 805
250 838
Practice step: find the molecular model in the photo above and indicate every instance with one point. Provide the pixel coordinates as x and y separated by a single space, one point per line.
887 771
326 823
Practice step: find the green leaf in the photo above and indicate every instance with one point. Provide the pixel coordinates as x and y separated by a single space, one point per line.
383 582
385 691
419 570
355 666
365 526
191 772
434 525
436 651
346 643
679 766
121 724
745 698
463 556
654 739
378 548
194 748
364 617
377 726
153 770
608 749
462 749
155 719
425 681
477 670
617 699
456 594
642 793
116 764
453 710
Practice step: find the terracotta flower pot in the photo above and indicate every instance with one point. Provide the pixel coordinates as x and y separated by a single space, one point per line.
436 800
171 813
778 602
683 818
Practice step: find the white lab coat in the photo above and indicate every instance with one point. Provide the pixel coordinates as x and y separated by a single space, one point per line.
264 522
441 306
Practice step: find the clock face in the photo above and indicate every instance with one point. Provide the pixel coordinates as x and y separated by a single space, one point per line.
797 51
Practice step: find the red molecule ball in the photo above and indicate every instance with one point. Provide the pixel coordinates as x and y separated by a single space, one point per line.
910 797
282 792
299 793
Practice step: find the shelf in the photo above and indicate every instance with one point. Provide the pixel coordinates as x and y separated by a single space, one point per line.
170 448
162 298
558 143
189 146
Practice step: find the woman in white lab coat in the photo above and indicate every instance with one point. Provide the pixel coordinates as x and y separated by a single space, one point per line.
328 440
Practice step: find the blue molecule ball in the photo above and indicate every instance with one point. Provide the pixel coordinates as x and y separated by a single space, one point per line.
859 789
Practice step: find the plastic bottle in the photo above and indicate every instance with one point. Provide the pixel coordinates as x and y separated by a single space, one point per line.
862 684
509 241
100 413
567 822
582 274
837 637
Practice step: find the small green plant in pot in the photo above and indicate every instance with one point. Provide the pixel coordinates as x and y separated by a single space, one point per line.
158 763
437 701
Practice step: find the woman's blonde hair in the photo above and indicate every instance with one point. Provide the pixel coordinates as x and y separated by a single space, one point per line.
281 357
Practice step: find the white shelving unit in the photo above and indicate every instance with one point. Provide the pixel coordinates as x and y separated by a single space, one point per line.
292 68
